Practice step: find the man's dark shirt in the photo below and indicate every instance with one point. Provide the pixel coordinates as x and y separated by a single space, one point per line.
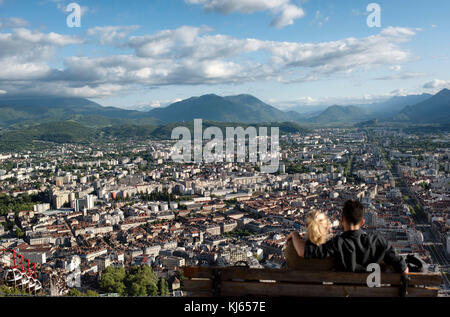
354 250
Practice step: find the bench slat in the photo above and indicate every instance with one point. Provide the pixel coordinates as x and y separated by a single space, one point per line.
198 288
334 277
233 289
231 273
197 285
198 272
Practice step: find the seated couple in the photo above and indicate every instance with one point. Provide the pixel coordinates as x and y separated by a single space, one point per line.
351 251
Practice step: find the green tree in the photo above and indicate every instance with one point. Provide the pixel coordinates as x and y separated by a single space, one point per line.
91 293
16 204
141 281
163 286
75 293
138 281
19 233
112 280
137 289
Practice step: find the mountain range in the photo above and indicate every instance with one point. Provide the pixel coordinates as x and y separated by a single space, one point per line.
240 108
395 104
21 112
435 109
424 108
341 114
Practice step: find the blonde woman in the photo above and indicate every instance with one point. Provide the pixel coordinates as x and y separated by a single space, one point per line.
317 227
317 231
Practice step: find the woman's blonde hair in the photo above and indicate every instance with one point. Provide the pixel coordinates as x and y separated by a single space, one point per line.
317 225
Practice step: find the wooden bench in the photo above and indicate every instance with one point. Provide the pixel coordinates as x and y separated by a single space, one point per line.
306 280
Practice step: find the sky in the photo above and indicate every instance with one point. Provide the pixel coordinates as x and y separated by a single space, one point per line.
136 54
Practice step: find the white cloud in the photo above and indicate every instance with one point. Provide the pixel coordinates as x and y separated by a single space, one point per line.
164 42
2 92
41 39
244 6
111 34
285 11
185 56
344 55
398 92
13 69
437 84
61 88
24 54
288 14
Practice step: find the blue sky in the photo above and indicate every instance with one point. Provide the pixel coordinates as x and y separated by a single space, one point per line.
137 53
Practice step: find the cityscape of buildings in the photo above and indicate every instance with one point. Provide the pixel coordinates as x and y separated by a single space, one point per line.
76 210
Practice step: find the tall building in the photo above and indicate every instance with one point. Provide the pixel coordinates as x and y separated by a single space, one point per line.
88 203
41 207
75 204
59 199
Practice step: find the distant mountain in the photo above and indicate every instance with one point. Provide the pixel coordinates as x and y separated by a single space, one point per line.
433 110
18 112
395 104
384 108
342 114
240 108
307 110
22 111
398 108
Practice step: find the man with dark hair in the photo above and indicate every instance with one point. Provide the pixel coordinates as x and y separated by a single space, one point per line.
353 212
354 249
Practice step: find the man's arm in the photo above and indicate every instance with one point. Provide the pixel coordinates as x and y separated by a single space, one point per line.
393 259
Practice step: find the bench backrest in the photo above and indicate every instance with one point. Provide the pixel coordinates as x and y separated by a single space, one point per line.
243 281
